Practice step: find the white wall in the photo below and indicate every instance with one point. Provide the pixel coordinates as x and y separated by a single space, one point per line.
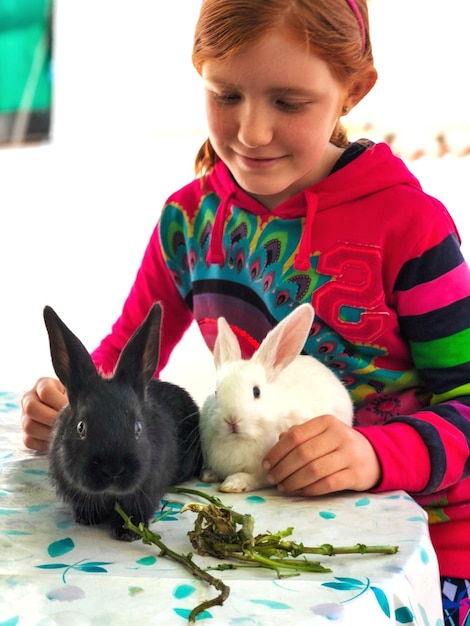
128 119
421 49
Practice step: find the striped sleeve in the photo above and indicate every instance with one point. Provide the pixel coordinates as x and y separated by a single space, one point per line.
432 295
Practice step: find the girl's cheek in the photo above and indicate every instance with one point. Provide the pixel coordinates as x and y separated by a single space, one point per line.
221 126
214 116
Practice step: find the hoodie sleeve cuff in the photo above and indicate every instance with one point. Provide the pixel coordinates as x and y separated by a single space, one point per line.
402 454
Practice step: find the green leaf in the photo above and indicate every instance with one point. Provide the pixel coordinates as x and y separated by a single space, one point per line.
340 586
346 584
52 566
61 547
184 591
403 615
352 581
147 561
271 604
91 569
186 613
382 600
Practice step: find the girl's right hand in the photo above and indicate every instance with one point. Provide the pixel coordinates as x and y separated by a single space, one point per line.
39 407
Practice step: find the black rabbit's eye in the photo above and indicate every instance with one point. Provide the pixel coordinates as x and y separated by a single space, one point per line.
138 429
81 429
256 391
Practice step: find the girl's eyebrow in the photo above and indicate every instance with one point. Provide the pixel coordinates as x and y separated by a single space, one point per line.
281 90
216 82
293 91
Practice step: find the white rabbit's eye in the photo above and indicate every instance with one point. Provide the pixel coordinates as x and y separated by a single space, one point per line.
138 429
81 429
256 391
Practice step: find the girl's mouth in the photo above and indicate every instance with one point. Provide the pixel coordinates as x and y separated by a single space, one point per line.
258 162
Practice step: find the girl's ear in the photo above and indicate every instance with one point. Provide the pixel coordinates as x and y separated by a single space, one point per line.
359 89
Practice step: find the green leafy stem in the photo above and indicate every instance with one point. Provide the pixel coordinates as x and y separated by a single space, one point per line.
221 532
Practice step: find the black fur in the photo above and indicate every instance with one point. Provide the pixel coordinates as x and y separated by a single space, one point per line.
124 439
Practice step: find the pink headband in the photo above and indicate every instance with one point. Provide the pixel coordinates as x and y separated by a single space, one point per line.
358 15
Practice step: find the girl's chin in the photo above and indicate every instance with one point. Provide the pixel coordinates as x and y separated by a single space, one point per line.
260 184
269 199
269 194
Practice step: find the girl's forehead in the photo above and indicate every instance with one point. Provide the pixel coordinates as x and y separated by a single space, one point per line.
276 41
276 57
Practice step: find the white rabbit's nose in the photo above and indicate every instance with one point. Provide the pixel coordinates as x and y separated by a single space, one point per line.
232 424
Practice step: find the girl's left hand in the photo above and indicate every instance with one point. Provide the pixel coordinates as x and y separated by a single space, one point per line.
322 456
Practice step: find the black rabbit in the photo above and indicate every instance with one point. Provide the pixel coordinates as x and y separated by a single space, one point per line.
125 438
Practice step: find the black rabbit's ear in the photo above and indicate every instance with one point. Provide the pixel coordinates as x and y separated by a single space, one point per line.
139 358
71 360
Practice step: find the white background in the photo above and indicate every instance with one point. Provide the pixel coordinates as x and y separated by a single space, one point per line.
76 214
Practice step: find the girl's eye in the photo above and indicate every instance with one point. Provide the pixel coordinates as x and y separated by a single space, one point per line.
225 98
291 106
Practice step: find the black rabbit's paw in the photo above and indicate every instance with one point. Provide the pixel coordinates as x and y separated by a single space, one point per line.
124 534
85 520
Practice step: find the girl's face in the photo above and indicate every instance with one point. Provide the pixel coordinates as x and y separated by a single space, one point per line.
271 110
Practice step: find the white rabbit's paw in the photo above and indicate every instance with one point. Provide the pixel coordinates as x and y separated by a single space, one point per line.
242 481
209 476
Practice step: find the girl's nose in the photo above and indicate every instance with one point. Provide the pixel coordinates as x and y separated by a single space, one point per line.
254 127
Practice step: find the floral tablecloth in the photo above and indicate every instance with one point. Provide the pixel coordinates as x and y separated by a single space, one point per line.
54 571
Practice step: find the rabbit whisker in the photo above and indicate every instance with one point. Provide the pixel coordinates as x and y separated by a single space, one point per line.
189 416
89 511
193 438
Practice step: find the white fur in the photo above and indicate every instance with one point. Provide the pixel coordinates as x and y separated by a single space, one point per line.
237 429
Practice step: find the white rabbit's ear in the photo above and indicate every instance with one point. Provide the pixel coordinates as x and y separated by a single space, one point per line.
283 344
226 346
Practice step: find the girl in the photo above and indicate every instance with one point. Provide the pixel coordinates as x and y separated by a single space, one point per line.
285 210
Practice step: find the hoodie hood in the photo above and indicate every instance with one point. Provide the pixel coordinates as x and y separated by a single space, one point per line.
375 170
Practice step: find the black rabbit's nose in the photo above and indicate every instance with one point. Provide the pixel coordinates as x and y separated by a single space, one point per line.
114 474
112 471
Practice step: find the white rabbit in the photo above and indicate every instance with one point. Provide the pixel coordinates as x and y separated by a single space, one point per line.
259 398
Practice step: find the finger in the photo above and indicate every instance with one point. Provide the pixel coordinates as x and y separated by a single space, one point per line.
51 392
292 439
339 481
35 435
289 466
313 471
35 412
35 444
307 455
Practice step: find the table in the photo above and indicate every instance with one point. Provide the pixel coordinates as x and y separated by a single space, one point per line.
56 572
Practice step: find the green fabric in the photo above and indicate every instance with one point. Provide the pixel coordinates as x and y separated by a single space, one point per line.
19 14
446 352
25 80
